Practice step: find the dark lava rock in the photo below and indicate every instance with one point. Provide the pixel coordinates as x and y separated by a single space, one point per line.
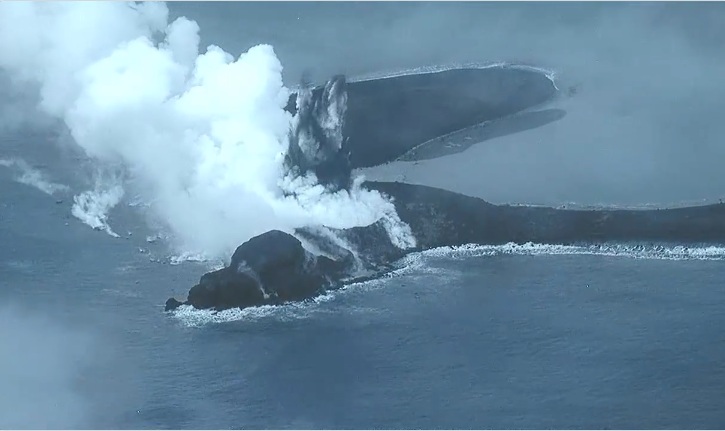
271 268
226 288
387 117
172 304
274 267
316 141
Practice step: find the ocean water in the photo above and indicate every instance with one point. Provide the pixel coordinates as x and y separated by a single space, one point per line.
464 338
534 336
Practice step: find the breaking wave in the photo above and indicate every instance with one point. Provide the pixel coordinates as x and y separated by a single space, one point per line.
420 264
632 251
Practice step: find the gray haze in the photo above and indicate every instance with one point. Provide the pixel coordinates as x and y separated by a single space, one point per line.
644 127
41 370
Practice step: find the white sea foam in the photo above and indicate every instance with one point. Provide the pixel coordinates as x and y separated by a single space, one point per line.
420 264
662 252
211 264
411 264
192 317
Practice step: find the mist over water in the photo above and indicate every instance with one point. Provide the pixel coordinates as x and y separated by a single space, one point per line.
41 366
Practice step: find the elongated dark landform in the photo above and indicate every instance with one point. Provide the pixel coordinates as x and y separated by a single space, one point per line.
389 118
437 218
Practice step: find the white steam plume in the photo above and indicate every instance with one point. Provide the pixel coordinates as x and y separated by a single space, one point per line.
202 136
92 206
32 177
